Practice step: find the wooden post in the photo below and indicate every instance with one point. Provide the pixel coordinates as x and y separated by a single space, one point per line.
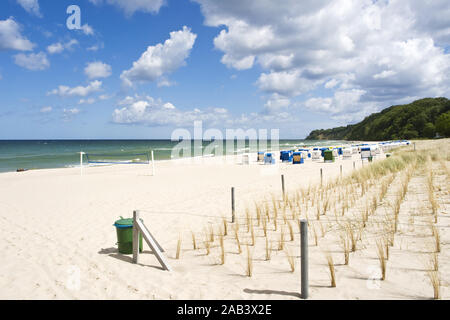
354 165
282 187
321 176
304 258
136 236
152 244
414 146
233 210
341 170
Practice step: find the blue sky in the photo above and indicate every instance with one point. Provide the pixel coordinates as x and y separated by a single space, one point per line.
141 68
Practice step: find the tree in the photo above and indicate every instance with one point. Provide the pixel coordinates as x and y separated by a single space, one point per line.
429 131
443 124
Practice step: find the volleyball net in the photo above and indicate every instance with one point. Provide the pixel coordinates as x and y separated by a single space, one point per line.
117 158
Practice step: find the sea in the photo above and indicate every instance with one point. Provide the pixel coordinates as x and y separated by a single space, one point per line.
46 154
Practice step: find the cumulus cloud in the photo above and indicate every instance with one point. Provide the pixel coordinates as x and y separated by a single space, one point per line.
87 101
32 61
276 102
11 37
95 47
87 29
161 59
97 69
155 112
31 6
59 47
377 52
68 114
345 105
79 91
132 6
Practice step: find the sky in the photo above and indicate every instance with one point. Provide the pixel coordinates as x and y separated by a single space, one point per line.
139 69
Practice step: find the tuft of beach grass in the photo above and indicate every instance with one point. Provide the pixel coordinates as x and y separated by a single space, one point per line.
330 264
381 259
290 259
179 247
249 270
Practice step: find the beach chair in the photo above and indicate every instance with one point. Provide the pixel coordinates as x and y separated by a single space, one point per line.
269 159
347 153
365 153
335 153
260 156
316 155
286 156
297 158
245 159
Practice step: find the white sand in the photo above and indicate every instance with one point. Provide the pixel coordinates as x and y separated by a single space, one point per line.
57 226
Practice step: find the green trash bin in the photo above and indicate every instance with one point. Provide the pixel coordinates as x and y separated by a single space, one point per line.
328 156
370 159
124 228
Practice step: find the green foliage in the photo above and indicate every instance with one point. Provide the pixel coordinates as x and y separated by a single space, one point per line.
420 119
443 124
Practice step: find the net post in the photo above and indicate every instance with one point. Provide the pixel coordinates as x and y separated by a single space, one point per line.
153 163
81 163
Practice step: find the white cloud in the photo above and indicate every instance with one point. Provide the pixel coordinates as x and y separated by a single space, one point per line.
161 59
87 101
32 61
59 47
46 109
345 104
132 6
55 48
289 83
276 102
95 47
154 112
163 82
385 74
331 84
104 97
11 38
87 30
31 6
80 91
379 51
68 114
97 69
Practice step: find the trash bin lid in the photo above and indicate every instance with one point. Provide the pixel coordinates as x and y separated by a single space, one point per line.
124 223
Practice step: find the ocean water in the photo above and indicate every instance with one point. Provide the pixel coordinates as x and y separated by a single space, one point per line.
45 154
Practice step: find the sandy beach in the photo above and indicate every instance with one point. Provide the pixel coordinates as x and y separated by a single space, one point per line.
58 241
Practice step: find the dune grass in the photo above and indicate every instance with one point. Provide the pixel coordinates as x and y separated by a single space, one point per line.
381 258
179 247
331 269
249 269
436 283
290 259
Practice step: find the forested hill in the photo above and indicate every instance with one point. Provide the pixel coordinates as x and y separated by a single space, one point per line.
421 119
